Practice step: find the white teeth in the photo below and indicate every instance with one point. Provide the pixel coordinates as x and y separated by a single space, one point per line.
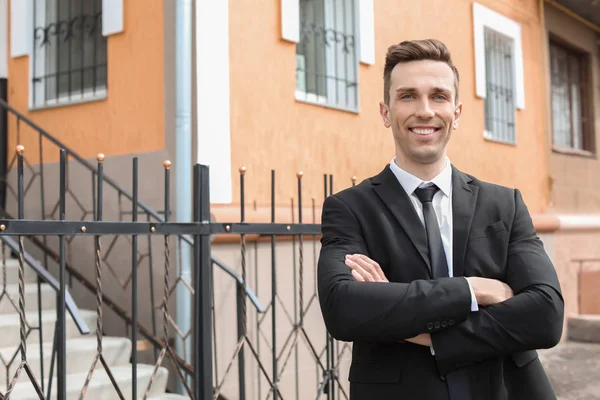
426 131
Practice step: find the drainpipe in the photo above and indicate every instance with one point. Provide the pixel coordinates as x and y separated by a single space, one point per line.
183 165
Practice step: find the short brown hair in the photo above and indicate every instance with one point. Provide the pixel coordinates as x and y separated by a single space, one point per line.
416 50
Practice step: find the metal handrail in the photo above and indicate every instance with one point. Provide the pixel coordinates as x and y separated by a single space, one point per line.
49 279
259 307
122 192
85 163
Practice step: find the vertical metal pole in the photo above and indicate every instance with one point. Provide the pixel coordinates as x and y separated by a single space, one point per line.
43 216
332 346
295 289
134 283
300 275
242 311
203 382
240 330
274 292
3 139
61 303
327 337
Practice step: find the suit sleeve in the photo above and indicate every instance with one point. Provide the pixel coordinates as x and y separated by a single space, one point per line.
377 311
532 319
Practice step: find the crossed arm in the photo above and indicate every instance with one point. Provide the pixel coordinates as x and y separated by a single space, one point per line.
376 310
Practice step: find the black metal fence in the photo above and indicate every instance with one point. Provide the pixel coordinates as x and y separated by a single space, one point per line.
201 379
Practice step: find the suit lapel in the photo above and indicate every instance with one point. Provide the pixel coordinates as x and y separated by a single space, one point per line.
387 187
464 198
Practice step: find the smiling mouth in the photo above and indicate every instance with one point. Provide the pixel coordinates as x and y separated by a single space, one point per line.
424 131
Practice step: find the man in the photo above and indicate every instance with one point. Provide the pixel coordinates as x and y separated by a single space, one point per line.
437 277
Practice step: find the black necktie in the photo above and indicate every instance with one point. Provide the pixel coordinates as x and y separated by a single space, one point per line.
458 381
437 256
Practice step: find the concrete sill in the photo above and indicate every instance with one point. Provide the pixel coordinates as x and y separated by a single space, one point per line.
573 152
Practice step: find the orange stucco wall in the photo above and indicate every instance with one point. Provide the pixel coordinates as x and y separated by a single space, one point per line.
270 129
575 177
129 120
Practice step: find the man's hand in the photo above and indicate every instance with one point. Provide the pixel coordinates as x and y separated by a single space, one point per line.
424 339
364 269
490 291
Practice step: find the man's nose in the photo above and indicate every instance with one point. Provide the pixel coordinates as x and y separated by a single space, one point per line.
424 110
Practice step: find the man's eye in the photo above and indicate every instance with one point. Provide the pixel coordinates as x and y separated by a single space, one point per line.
440 97
407 96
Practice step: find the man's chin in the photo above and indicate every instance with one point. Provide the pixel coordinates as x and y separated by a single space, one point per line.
426 156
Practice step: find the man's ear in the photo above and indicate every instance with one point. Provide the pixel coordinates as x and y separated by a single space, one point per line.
457 114
384 110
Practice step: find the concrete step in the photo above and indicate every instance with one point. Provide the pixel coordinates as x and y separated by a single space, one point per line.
80 355
12 272
100 387
31 298
584 328
10 328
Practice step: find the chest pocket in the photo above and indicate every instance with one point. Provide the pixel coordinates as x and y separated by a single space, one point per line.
490 230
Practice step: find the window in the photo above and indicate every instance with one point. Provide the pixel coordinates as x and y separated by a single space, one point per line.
568 91
69 54
326 57
499 99
498 72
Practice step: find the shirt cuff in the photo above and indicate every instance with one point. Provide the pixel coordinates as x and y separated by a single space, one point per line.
474 305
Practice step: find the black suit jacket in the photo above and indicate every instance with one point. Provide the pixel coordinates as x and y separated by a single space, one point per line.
493 237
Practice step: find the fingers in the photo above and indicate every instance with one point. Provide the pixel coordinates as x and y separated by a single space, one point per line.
375 265
360 270
366 268
357 276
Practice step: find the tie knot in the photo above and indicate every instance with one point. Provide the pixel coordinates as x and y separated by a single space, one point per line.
425 195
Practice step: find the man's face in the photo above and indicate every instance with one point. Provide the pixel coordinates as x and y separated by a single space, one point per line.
422 111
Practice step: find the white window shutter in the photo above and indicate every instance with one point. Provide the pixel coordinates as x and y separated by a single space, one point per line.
21 27
3 39
290 20
366 35
112 17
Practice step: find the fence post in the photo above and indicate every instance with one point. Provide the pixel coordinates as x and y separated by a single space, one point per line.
240 298
203 384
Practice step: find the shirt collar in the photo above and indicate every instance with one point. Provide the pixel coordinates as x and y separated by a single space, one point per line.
410 182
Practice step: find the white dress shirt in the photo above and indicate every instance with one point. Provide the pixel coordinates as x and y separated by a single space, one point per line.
442 204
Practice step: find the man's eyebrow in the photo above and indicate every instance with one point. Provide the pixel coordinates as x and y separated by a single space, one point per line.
406 89
435 89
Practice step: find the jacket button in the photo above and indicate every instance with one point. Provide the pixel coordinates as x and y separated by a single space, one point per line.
437 325
444 324
451 322
430 326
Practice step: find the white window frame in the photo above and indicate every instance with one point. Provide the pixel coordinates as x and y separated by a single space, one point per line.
38 68
485 17
3 39
330 54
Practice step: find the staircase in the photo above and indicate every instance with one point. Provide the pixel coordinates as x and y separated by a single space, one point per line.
81 349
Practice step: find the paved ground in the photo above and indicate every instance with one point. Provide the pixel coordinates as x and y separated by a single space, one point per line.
574 370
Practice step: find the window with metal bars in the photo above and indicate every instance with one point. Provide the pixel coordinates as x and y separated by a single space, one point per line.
69 57
568 98
500 89
326 59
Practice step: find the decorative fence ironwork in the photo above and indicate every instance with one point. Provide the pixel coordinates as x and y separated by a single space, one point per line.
264 360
